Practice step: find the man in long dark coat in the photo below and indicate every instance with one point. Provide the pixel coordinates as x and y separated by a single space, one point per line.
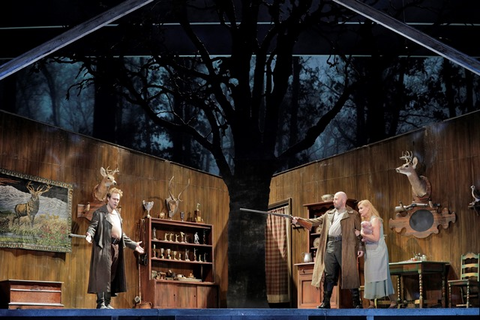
338 250
107 267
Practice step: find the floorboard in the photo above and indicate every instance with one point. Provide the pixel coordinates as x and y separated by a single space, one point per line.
243 314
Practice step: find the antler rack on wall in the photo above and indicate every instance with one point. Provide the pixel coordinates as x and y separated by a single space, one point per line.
422 217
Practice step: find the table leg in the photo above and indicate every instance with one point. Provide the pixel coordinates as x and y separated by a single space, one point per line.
399 290
444 295
468 295
449 295
420 289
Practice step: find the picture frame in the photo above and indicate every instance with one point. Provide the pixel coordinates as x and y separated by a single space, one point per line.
35 213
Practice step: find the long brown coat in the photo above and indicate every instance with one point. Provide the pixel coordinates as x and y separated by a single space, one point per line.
100 263
351 244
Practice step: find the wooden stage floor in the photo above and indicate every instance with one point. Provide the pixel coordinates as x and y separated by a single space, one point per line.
243 314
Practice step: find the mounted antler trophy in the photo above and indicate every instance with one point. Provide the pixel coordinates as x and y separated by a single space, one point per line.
475 204
171 202
421 187
99 193
108 180
420 218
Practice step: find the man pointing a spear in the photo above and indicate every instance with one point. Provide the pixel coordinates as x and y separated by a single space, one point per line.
338 250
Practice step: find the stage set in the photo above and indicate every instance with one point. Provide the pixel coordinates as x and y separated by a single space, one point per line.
253 314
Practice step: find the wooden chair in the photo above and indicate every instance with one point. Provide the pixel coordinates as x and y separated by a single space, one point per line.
468 282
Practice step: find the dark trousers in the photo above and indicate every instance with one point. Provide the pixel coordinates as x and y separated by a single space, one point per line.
333 267
333 262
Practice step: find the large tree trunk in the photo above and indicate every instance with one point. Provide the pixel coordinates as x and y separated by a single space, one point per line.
105 109
8 98
246 236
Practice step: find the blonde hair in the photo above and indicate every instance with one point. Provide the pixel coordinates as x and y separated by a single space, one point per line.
372 212
114 190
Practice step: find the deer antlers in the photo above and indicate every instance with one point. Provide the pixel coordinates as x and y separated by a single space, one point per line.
112 172
171 202
40 189
407 156
421 187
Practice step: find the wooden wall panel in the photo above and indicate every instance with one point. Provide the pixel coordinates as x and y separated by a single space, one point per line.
38 150
449 152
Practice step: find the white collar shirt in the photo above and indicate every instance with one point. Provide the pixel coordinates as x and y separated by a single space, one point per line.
336 228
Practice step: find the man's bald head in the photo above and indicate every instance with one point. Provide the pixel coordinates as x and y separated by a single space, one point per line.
339 200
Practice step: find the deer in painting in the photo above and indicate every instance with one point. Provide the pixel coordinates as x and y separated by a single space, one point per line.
101 189
421 187
30 208
171 202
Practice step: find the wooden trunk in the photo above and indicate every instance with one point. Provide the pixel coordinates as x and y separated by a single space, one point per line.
30 294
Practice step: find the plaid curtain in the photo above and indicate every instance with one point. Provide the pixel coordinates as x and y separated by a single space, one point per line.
277 257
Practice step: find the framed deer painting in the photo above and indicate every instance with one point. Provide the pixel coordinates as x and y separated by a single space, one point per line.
35 213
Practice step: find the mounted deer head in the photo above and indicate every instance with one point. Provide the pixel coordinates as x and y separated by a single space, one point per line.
421 187
108 180
171 202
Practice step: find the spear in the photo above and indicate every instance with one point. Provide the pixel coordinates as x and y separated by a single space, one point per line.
306 223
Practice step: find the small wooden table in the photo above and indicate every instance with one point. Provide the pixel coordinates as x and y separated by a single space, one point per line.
420 268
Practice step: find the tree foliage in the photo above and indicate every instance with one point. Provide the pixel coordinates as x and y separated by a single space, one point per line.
232 105
237 89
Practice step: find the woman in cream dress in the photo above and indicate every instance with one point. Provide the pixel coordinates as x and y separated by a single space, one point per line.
378 283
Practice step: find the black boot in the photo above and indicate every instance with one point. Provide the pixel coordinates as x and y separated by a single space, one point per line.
356 299
101 301
108 298
327 294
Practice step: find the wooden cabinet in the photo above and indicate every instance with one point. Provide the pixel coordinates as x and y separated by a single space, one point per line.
309 296
179 269
184 295
316 210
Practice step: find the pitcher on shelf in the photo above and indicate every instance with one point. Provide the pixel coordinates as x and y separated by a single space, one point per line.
307 257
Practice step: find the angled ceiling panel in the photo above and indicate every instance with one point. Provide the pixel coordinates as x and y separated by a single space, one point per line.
412 34
72 35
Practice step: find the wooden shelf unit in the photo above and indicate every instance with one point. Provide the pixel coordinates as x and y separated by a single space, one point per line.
317 210
160 284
